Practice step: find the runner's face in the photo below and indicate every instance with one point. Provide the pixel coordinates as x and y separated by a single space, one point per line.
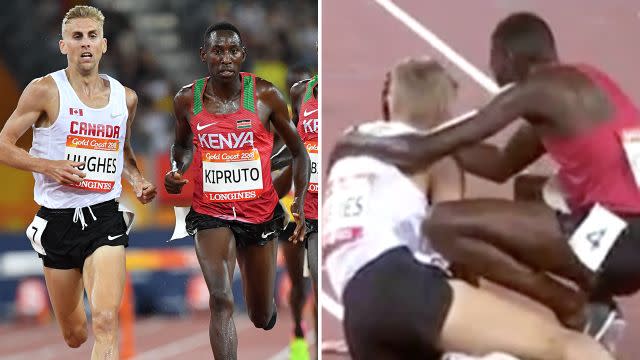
83 43
501 65
223 55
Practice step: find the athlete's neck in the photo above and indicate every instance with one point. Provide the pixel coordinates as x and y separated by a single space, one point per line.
87 83
224 89
537 66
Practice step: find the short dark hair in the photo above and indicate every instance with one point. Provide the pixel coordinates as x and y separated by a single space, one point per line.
221 26
526 34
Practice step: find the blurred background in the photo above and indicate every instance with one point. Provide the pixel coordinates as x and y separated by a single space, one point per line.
153 49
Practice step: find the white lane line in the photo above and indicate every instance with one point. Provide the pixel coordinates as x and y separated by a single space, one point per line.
427 35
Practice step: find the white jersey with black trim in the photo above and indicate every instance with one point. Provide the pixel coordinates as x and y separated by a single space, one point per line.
80 133
371 207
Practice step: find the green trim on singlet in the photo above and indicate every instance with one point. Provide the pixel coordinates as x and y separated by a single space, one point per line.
197 96
310 86
247 93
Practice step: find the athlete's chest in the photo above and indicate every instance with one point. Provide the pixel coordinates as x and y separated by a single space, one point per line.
239 130
308 121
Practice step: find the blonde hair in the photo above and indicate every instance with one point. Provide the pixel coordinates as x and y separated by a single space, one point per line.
83 12
422 88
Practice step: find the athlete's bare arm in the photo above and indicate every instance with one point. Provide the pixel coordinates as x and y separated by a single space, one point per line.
145 191
500 164
38 105
279 117
182 149
417 151
283 181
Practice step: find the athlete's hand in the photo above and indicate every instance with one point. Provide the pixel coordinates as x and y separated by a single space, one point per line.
173 182
298 215
64 171
145 191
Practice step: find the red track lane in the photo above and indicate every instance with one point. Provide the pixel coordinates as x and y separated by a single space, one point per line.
156 338
356 54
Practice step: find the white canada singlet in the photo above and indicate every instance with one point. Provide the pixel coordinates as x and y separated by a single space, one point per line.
370 208
84 134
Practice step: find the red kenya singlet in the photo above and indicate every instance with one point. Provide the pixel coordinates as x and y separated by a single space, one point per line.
308 126
232 159
594 167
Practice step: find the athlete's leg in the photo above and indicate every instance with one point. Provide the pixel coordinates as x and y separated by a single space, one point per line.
312 260
294 259
67 294
493 264
528 231
104 276
216 251
480 322
258 267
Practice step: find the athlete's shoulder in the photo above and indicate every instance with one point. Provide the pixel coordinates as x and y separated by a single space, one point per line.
299 87
44 84
265 90
41 89
264 85
184 95
131 96
382 128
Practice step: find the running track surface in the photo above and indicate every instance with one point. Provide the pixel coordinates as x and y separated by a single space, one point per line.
156 338
361 41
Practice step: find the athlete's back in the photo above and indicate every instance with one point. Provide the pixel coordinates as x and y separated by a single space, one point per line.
372 207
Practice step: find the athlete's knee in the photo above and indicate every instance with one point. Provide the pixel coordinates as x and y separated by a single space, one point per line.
262 317
76 336
439 224
221 302
104 321
442 237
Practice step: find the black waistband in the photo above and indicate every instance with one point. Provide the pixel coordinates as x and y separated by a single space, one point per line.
97 206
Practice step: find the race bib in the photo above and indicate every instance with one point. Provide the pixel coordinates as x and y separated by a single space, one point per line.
231 175
346 209
100 158
595 236
312 149
631 145
34 233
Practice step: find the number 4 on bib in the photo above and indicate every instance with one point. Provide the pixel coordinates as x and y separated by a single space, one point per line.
595 236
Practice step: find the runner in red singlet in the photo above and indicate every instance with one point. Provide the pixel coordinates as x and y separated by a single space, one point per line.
225 125
294 253
304 97
589 127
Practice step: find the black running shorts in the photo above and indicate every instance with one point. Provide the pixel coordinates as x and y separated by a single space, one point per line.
244 233
63 244
395 307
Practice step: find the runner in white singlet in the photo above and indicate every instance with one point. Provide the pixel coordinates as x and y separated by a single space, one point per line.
81 149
